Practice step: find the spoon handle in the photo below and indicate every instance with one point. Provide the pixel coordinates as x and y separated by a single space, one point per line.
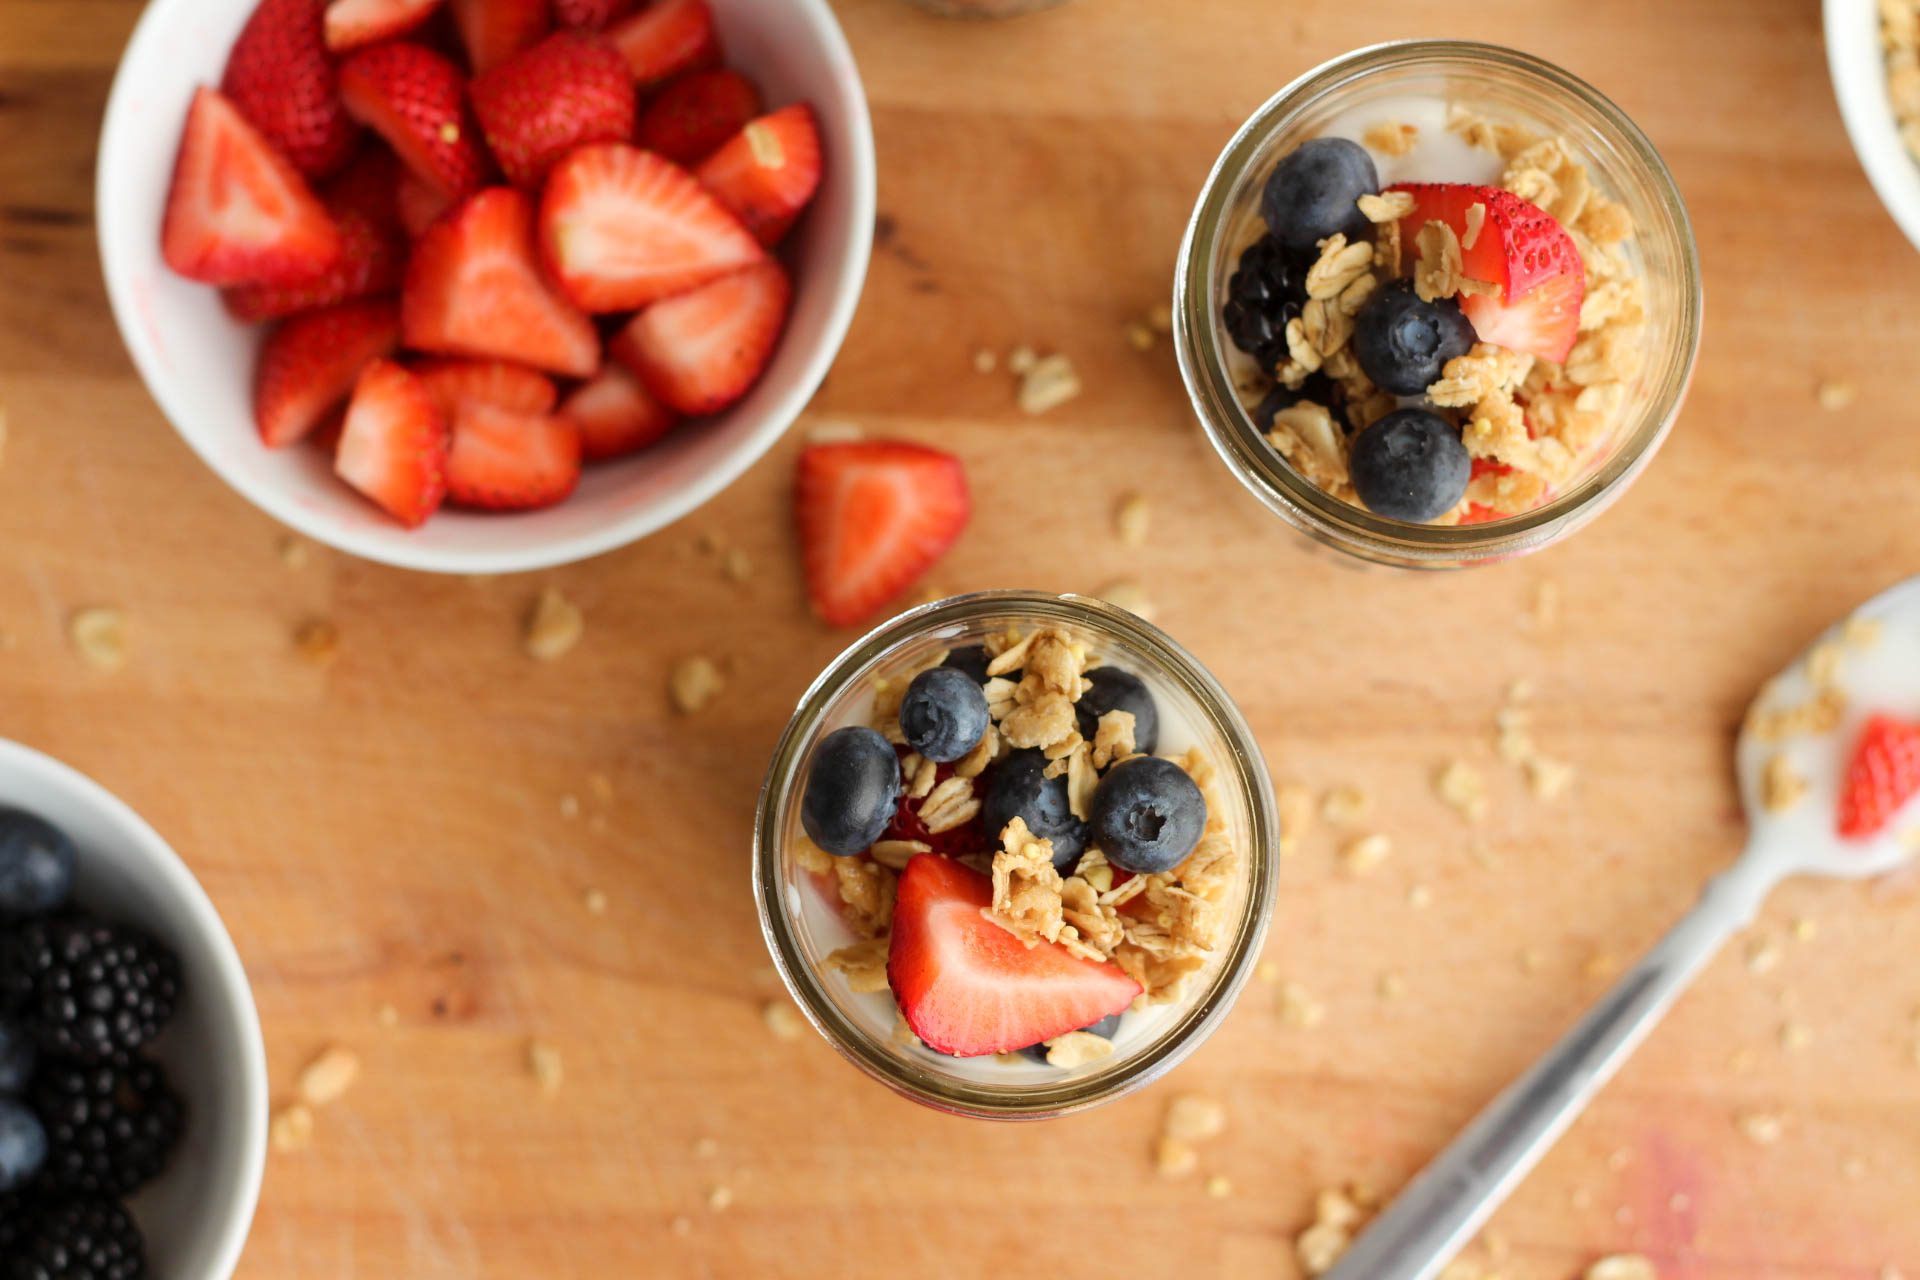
1454 1196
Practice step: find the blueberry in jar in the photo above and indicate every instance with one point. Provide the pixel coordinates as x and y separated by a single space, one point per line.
1403 344
852 791
1410 465
1318 389
1019 788
944 714
973 660
1147 815
1117 690
1314 193
36 864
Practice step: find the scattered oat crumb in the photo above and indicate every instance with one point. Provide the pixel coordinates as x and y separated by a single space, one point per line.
1458 784
543 1060
1601 964
1219 1187
1834 394
1623 1266
737 565
1160 318
1892 1273
1132 518
1795 1036
595 901
1267 971
1419 897
1548 779
1392 986
1854 1169
554 626
292 1128
783 1020
1194 1117
1299 1008
1763 954
1295 805
1763 1128
99 636
292 552
1021 359
1174 1158
1781 786
317 641
1129 595
1343 806
984 361
569 806
388 1016
1361 856
1139 335
1805 929
1520 691
1532 959
328 1077
706 1148
1580 1198
1049 383
1618 1159
1546 605
720 1198
693 683
681 1225
835 433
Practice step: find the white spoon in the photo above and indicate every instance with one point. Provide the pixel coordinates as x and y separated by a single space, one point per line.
1442 1208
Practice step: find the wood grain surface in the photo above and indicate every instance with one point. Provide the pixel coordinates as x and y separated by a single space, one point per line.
389 829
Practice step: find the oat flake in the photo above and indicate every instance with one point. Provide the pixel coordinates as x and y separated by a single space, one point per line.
99 636
553 627
543 1060
328 1077
693 683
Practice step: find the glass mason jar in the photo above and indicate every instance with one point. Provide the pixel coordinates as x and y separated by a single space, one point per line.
1500 84
799 911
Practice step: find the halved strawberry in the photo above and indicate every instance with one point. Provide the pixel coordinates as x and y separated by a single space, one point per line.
472 289
308 365
701 351
453 383
590 15
495 30
569 90
1883 776
416 100
621 227
279 76
968 987
370 186
393 446
1544 321
768 172
373 258
238 212
873 516
420 205
352 23
505 460
692 117
616 414
666 38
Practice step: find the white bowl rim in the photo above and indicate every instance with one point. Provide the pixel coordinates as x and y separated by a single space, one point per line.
1857 67
554 551
229 982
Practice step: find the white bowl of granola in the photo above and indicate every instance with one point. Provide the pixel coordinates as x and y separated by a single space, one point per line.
1873 55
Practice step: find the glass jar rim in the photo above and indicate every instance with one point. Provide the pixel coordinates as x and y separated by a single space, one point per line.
1242 760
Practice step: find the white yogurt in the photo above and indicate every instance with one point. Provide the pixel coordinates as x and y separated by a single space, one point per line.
1438 154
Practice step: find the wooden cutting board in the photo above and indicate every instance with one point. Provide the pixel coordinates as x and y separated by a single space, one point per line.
393 829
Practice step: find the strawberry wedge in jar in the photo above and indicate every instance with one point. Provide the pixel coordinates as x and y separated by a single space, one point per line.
1015 855
1439 303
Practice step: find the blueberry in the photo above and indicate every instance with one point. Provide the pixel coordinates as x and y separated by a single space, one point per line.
1403 343
972 659
1019 789
23 1145
1268 289
944 714
1106 1029
1117 690
853 791
17 1056
1314 191
1410 465
1147 815
36 864
1317 389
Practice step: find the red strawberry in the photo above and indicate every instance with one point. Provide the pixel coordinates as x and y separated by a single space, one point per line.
590 15
495 30
280 78
874 515
238 212
369 186
453 383
1884 775
416 100
352 23
666 38
393 447
693 116
968 987
970 837
504 460
620 227
308 365
373 257
419 204
1544 321
566 91
616 414
472 289
700 351
768 172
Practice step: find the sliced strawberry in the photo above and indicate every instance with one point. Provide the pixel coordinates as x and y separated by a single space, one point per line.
621 227
369 186
968 987
420 205
504 460
666 38
590 15
873 516
238 212
453 383
472 289
969 837
1884 775
393 447
416 100
373 258
701 351
495 30
768 172
616 414
1544 321
692 117
280 78
569 90
352 23
308 366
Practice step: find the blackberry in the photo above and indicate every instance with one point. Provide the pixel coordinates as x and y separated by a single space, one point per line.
110 1126
1268 290
1318 388
76 1240
90 990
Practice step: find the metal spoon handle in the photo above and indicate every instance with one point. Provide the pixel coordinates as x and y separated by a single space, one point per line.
1440 1210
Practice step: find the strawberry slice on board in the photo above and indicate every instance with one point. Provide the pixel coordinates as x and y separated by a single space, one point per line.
696 114
666 38
768 172
238 212
393 445
1883 775
308 366
494 30
417 100
352 23
873 516
621 227
473 289
616 414
590 15
507 460
703 350
569 90
279 76
967 987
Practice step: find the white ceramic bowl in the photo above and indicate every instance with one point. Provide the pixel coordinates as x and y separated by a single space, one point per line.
1859 71
195 1217
198 362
